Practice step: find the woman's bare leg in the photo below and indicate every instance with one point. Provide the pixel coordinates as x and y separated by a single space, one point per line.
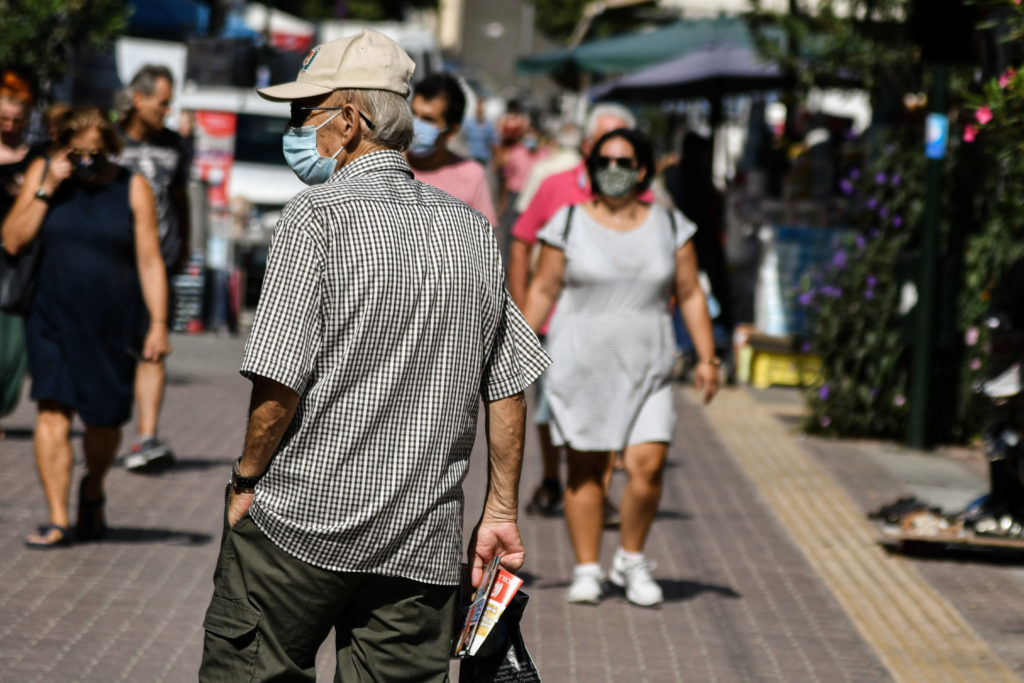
54 462
100 446
645 464
584 500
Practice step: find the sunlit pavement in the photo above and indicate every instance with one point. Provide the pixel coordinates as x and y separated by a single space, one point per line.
769 570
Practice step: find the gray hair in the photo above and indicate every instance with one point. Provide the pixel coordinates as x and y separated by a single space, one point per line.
609 109
143 82
389 111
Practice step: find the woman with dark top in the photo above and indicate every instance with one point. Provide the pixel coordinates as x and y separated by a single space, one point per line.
97 223
15 156
612 263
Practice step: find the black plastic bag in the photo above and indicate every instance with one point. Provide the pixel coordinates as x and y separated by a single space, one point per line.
18 278
503 657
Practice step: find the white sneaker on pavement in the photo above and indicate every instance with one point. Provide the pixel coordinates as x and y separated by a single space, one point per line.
586 585
634 574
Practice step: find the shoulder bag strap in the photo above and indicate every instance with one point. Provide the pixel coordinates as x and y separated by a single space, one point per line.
568 224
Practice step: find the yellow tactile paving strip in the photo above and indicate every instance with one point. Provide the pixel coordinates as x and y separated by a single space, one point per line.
914 631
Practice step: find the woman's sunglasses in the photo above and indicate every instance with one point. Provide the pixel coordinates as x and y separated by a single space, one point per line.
620 162
77 154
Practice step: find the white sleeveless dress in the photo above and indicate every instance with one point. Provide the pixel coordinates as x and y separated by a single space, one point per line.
610 338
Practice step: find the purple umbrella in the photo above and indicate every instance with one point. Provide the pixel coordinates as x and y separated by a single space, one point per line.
708 72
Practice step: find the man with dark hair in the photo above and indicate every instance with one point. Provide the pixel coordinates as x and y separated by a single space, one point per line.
161 157
438 105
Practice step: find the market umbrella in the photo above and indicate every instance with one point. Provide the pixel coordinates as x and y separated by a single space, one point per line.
636 50
708 72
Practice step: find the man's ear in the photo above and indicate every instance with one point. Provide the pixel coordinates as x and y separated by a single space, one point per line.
352 131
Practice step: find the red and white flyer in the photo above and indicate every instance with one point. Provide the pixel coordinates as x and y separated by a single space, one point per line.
505 586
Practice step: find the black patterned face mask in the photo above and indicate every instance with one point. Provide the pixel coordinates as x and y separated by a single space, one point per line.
615 181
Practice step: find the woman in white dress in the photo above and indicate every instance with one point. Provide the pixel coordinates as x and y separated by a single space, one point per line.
612 264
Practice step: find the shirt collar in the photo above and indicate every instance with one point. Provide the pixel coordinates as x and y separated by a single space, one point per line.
380 161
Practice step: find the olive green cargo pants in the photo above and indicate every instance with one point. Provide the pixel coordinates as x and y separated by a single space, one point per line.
270 613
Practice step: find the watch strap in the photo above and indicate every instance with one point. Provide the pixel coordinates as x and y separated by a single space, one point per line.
240 482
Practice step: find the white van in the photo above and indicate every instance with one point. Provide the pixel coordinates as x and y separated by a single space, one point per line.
259 173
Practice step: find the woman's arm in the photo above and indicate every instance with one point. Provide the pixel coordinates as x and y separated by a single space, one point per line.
26 216
694 307
152 274
545 286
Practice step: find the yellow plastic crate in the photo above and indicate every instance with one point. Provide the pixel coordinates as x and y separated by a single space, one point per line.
791 369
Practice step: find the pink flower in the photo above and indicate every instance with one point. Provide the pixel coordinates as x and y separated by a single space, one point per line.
970 132
984 115
971 337
1006 77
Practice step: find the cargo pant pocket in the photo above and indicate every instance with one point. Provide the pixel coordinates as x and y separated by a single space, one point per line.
231 642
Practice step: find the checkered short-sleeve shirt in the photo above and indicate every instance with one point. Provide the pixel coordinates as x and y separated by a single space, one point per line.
383 307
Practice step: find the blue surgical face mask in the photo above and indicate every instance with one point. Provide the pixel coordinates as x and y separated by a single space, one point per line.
304 158
424 137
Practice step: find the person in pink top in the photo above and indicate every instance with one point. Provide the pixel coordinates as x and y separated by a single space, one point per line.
558 190
438 106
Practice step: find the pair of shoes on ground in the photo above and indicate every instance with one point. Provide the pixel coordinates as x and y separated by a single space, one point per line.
148 455
630 573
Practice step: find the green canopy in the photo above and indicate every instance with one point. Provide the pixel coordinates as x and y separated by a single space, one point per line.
633 51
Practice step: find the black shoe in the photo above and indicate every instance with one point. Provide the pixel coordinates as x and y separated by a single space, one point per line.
546 499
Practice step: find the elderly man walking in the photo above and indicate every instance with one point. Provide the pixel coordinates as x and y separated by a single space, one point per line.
382 323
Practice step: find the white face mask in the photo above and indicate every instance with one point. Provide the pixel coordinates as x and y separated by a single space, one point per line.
424 138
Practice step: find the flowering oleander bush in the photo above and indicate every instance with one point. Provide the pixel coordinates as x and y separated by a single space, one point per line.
853 303
993 125
857 303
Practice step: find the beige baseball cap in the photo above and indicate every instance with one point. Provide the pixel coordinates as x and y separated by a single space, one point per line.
369 61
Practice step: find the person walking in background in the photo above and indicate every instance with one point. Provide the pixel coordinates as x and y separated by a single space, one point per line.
612 263
15 156
97 223
382 324
480 135
438 105
161 156
512 161
564 156
561 189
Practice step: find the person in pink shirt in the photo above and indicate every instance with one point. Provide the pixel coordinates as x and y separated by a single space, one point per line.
558 190
438 105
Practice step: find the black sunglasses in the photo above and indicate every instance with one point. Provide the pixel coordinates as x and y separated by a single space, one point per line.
621 162
298 117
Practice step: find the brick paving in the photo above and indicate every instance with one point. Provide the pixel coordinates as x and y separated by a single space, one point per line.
742 603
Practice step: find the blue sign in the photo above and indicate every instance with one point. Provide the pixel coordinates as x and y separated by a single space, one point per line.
936 136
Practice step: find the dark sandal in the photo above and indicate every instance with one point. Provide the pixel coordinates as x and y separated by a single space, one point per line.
92 524
46 544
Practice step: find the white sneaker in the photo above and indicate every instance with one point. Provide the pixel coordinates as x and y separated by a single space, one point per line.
586 585
635 576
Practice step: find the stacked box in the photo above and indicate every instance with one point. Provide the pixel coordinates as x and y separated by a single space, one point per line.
188 296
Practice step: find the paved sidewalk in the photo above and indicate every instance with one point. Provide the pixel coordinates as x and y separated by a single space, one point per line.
745 600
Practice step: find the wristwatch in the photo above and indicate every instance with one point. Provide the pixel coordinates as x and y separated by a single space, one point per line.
714 361
43 194
240 484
